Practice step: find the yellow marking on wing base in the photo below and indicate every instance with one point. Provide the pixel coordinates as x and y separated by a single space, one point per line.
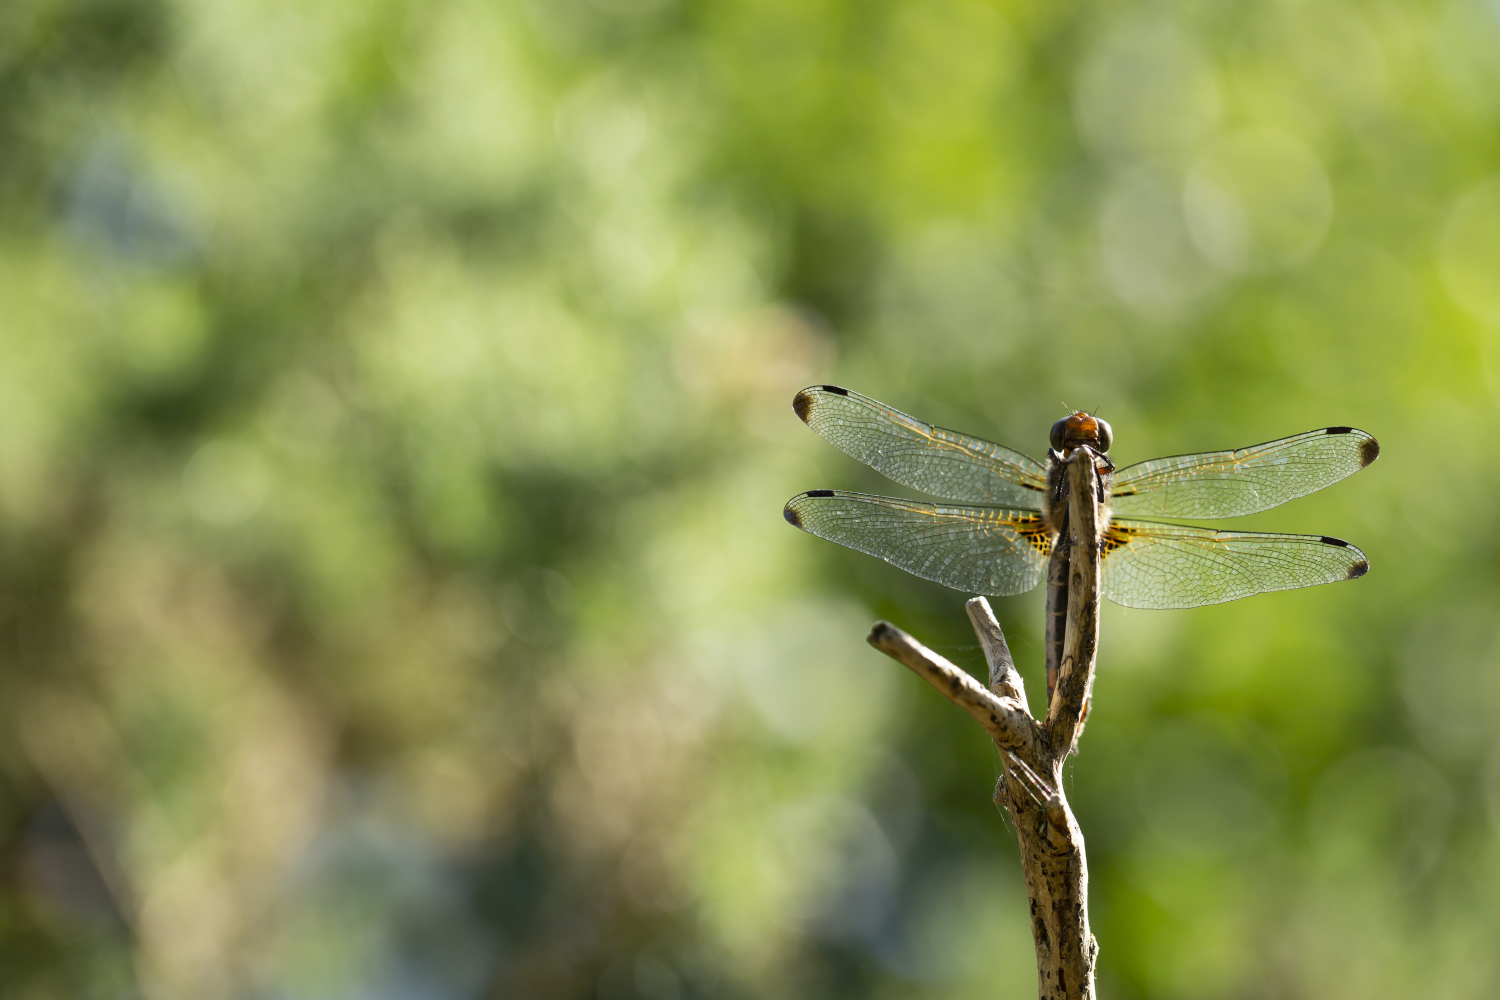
1117 537
1034 531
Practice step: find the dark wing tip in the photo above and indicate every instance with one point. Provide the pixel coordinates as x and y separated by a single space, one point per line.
1360 568
1369 448
792 514
802 404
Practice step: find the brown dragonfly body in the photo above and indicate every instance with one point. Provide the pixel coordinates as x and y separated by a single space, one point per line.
1073 431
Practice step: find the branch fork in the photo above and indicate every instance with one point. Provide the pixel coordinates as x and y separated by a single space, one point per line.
1032 751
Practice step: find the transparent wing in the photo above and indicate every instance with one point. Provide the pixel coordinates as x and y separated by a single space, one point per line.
1149 565
1231 483
934 460
979 550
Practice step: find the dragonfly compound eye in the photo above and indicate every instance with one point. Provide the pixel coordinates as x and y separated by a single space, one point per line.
1105 435
1060 433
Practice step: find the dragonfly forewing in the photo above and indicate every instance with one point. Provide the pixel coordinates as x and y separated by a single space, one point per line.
1230 483
1150 565
979 550
915 453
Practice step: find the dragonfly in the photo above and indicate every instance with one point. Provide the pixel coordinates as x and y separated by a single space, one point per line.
1000 512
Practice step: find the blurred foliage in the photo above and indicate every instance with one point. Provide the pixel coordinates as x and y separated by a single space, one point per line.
394 427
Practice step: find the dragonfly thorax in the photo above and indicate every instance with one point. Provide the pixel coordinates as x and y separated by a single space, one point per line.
1056 503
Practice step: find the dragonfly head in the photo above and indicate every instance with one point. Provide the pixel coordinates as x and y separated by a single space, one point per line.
1080 428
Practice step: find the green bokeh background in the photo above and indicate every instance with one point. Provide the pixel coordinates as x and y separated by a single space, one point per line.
394 427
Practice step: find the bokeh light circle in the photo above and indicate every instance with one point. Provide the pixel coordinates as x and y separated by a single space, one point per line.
1147 89
1469 252
1258 200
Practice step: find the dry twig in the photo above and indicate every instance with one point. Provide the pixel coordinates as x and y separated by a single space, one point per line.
1033 752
